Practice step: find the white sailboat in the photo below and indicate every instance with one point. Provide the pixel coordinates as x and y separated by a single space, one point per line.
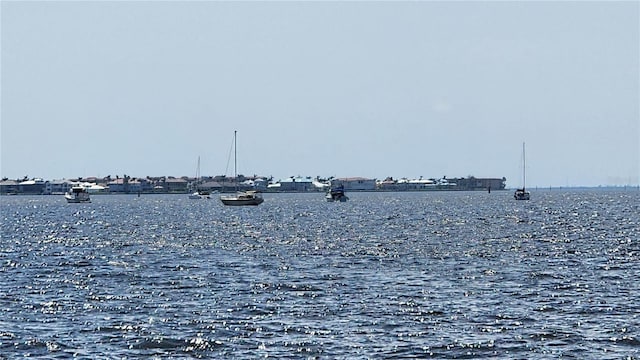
522 194
199 194
240 198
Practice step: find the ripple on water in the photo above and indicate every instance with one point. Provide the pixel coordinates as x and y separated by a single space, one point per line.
393 275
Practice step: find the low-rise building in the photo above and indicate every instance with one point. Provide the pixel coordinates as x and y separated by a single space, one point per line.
118 186
404 184
58 187
296 183
146 185
355 183
9 187
223 183
176 185
33 187
473 183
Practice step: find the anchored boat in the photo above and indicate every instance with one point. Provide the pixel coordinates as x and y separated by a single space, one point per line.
522 194
336 194
240 198
78 194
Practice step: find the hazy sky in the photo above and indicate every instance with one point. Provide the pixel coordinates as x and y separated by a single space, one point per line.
372 89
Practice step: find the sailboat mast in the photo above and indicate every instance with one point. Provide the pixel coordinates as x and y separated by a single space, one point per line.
235 157
524 168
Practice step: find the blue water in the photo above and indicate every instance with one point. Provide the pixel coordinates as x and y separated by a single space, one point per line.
446 275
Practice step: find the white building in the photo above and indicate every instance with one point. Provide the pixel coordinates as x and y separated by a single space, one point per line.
355 183
59 187
296 183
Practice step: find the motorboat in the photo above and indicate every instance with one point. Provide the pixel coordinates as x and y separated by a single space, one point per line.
78 194
336 194
200 195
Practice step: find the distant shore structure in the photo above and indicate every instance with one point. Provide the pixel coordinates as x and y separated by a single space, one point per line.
182 185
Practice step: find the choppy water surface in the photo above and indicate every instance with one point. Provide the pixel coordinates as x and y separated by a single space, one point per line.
385 275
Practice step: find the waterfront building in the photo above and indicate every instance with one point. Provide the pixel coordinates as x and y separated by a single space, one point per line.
59 187
33 187
94 188
146 185
135 186
296 183
125 185
222 183
176 185
474 183
9 187
260 184
118 185
404 184
355 183
210 186
254 183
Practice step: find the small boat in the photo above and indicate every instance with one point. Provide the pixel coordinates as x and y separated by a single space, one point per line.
522 194
78 194
336 194
240 198
199 194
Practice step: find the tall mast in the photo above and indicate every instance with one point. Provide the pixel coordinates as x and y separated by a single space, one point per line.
524 168
235 157
198 169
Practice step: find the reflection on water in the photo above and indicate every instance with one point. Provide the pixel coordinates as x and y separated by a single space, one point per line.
388 275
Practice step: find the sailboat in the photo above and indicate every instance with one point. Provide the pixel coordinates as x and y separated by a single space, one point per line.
199 194
240 198
522 194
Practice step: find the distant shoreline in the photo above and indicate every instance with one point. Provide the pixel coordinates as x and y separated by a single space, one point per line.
538 189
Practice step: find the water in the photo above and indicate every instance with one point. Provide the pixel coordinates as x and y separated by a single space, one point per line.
385 275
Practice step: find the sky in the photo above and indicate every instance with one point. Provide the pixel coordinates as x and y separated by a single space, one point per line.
322 88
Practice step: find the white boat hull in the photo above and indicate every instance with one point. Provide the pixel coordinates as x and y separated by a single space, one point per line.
197 195
77 199
242 202
242 199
